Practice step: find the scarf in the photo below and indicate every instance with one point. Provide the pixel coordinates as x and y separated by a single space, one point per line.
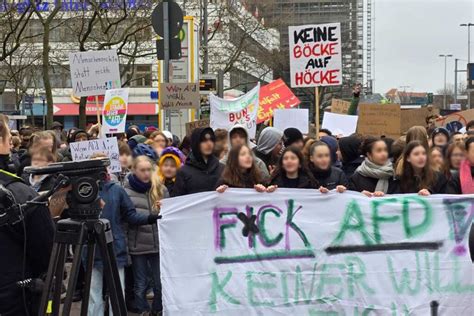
465 177
137 185
381 173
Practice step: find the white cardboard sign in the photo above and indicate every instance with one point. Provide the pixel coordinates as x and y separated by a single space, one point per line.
340 124
315 55
109 146
114 112
94 72
297 118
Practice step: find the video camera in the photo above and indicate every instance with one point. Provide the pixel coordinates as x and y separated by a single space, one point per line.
84 177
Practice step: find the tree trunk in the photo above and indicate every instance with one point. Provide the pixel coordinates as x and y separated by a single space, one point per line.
46 78
82 113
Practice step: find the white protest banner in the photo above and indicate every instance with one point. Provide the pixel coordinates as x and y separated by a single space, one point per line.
94 72
299 252
297 118
340 124
109 146
114 113
242 110
315 55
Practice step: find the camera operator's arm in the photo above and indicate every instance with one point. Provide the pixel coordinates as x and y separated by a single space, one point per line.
129 213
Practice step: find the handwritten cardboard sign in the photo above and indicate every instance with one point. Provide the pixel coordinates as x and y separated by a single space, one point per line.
379 120
84 150
243 110
414 117
275 95
297 252
456 121
191 126
340 106
114 112
94 72
315 55
179 95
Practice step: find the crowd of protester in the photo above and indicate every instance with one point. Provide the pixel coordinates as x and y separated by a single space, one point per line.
156 165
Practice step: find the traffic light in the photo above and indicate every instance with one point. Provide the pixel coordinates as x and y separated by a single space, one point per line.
175 23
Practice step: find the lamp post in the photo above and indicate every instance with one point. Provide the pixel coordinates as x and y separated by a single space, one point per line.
445 66
468 25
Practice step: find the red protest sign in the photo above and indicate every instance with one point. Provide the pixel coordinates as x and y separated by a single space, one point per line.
275 95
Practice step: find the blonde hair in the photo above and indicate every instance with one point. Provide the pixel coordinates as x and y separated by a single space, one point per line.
157 188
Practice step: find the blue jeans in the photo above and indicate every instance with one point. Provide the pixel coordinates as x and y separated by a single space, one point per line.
141 264
96 302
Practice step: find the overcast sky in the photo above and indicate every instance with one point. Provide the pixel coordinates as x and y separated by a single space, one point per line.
409 36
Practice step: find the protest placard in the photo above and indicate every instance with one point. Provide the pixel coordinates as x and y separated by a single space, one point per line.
340 106
275 95
179 95
298 252
413 117
340 124
191 126
242 110
94 72
297 118
84 150
379 120
455 121
114 114
315 55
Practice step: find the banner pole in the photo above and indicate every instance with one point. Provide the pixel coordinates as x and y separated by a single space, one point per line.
316 116
97 112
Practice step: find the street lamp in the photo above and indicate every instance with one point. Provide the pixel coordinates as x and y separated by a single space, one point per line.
468 25
445 63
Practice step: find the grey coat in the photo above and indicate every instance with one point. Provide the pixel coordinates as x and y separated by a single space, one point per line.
142 239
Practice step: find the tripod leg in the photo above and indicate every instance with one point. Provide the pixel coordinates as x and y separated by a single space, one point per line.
49 279
111 272
58 282
88 277
76 265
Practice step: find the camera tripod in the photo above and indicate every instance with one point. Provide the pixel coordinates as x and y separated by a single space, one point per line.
81 234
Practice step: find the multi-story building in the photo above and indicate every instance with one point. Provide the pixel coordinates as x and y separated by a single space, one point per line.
350 13
238 45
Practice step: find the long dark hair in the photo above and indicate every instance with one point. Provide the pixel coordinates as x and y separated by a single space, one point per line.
234 177
280 171
408 178
447 157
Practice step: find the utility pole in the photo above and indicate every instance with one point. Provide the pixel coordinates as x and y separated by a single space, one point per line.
205 37
456 80
445 56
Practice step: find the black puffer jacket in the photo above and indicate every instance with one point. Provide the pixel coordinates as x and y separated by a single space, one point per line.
197 175
329 179
439 187
361 183
304 181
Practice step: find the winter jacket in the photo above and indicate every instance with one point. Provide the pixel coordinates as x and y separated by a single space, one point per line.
37 238
361 183
304 181
454 183
350 152
331 178
258 162
142 239
118 209
198 174
439 187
